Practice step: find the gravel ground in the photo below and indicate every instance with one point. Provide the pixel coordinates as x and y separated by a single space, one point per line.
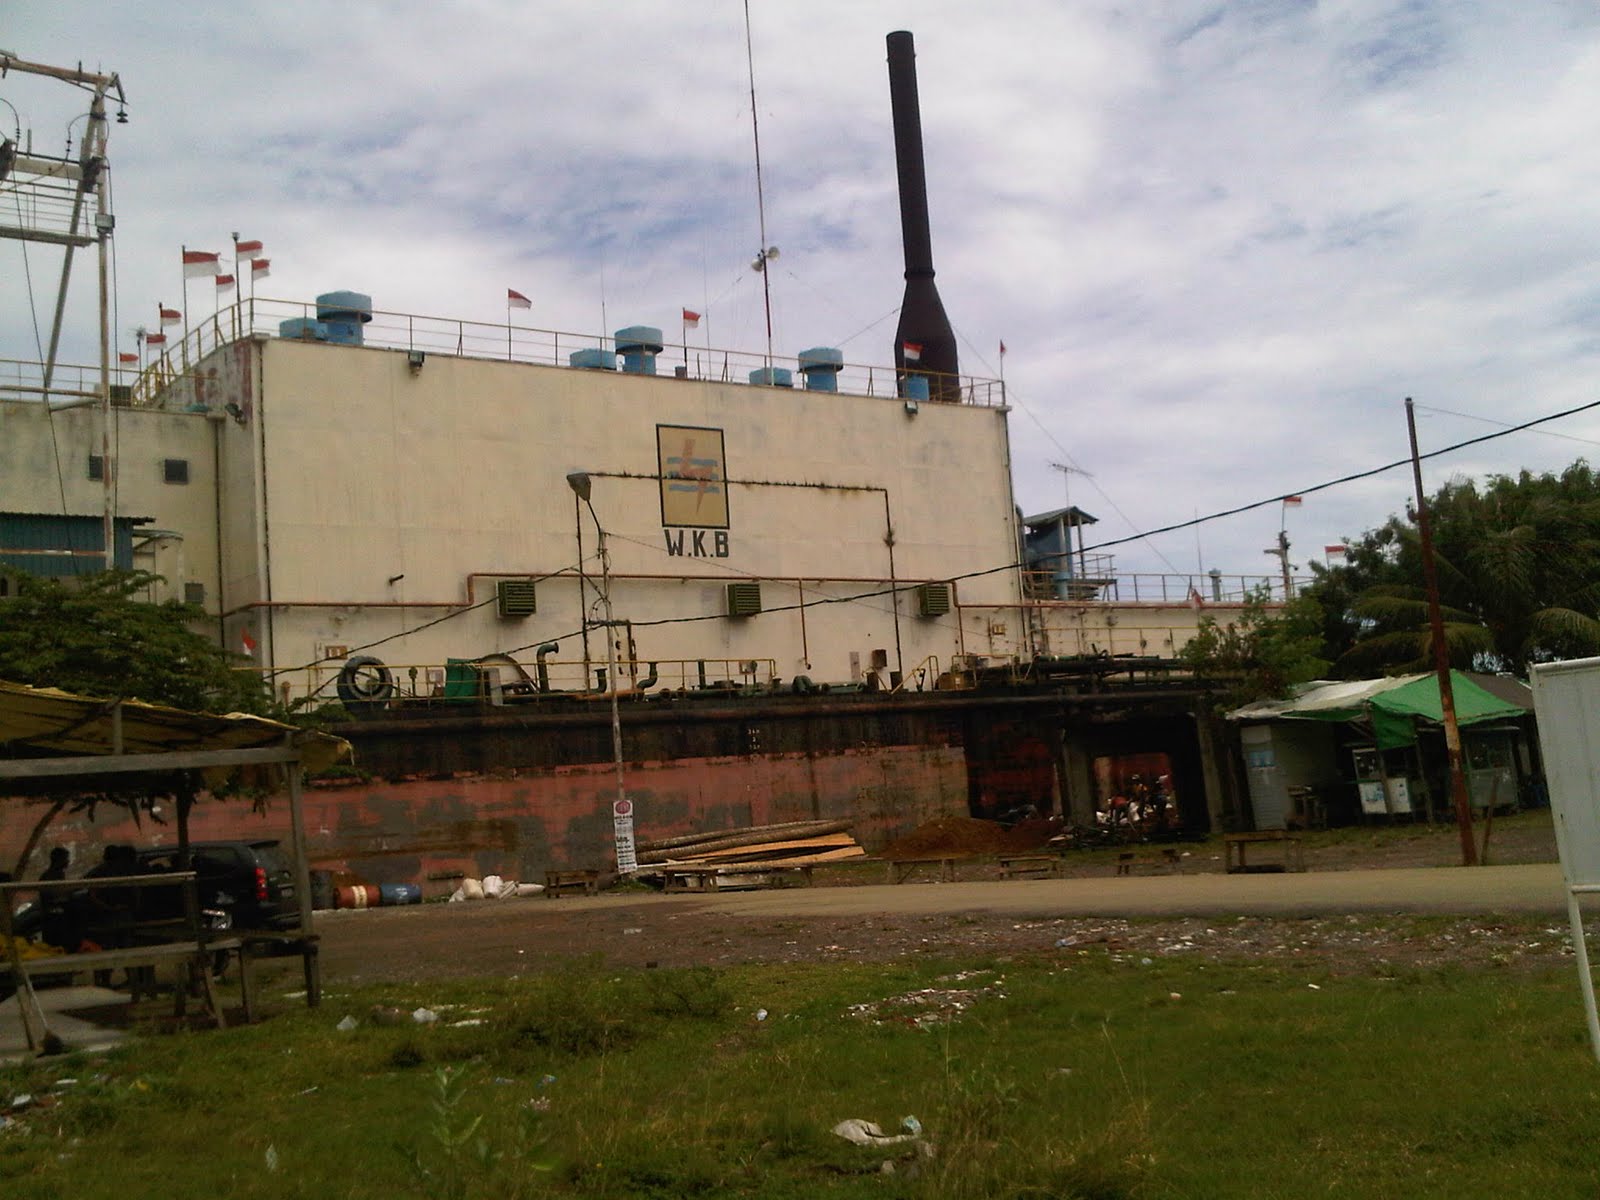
640 930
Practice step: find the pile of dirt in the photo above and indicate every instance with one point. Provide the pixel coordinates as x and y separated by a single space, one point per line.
950 837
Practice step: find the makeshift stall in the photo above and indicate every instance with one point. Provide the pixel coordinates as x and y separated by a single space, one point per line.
57 745
1386 760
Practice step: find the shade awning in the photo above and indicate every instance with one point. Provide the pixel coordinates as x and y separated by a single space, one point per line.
1403 696
50 723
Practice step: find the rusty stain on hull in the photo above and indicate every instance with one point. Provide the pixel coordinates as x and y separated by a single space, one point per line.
406 830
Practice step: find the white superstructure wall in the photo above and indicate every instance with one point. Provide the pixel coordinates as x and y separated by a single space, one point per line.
390 497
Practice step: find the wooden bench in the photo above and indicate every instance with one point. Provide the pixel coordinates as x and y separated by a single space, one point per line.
725 876
1170 861
1236 850
1030 866
689 879
902 869
261 943
585 880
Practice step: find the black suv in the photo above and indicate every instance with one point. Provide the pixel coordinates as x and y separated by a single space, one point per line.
252 880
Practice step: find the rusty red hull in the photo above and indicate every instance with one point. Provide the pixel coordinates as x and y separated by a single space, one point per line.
519 823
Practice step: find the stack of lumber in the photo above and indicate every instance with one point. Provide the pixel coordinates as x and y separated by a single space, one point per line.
758 848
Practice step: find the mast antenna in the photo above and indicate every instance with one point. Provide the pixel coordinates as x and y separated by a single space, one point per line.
767 253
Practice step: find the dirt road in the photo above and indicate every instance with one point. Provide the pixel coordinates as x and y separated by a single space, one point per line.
1348 918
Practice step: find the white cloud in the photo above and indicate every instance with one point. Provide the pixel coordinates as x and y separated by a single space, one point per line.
1221 240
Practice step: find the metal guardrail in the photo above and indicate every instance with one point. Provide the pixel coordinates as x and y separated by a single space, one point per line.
454 337
1153 588
469 678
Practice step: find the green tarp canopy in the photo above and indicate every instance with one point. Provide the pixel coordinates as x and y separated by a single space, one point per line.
1394 705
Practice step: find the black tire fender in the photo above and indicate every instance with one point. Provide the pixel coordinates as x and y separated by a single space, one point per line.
364 681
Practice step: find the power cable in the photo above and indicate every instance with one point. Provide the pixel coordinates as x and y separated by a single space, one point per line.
1015 397
1504 424
980 573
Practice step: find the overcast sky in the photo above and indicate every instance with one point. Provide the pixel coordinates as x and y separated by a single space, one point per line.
1221 241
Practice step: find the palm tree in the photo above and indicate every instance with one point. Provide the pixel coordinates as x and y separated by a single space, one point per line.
1519 578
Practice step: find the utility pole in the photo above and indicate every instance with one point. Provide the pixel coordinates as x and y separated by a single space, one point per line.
1441 656
1281 552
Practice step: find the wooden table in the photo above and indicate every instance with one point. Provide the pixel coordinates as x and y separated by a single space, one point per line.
1030 866
183 941
1236 848
902 869
689 879
585 880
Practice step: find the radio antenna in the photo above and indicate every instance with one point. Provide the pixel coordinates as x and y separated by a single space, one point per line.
766 253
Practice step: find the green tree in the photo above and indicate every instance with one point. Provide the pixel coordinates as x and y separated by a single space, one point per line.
1518 561
1264 652
93 635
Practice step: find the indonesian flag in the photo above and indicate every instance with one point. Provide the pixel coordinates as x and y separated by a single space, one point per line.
1292 501
1196 600
691 319
259 269
197 264
1002 349
127 358
225 283
912 351
170 316
155 339
515 299
246 249
247 644
1338 551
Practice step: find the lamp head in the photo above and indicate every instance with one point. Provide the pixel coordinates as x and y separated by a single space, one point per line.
578 481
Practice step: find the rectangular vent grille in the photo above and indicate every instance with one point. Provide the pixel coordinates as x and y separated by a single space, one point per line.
744 599
515 597
933 599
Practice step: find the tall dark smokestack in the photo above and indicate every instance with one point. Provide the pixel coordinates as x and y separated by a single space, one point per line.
922 319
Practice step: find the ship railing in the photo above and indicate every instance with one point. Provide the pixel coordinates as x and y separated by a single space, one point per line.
924 677
23 379
170 365
495 676
1197 591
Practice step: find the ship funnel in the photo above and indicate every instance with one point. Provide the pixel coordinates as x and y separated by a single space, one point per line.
924 336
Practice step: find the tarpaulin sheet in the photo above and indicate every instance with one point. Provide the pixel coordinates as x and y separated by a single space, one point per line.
45 722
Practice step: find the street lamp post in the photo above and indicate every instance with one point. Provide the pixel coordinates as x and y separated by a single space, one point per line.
622 807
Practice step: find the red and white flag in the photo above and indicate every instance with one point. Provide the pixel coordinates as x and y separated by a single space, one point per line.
1002 349
247 643
197 264
691 319
516 299
259 269
1292 501
170 316
912 351
124 357
226 283
1338 551
1196 600
155 339
246 249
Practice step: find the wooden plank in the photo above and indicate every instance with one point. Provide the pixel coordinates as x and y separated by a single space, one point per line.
724 839
800 845
779 864
120 764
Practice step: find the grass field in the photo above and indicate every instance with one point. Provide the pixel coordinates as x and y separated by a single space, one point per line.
1084 1073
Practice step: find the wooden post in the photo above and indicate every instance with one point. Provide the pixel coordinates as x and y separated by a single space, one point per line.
297 827
1441 657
